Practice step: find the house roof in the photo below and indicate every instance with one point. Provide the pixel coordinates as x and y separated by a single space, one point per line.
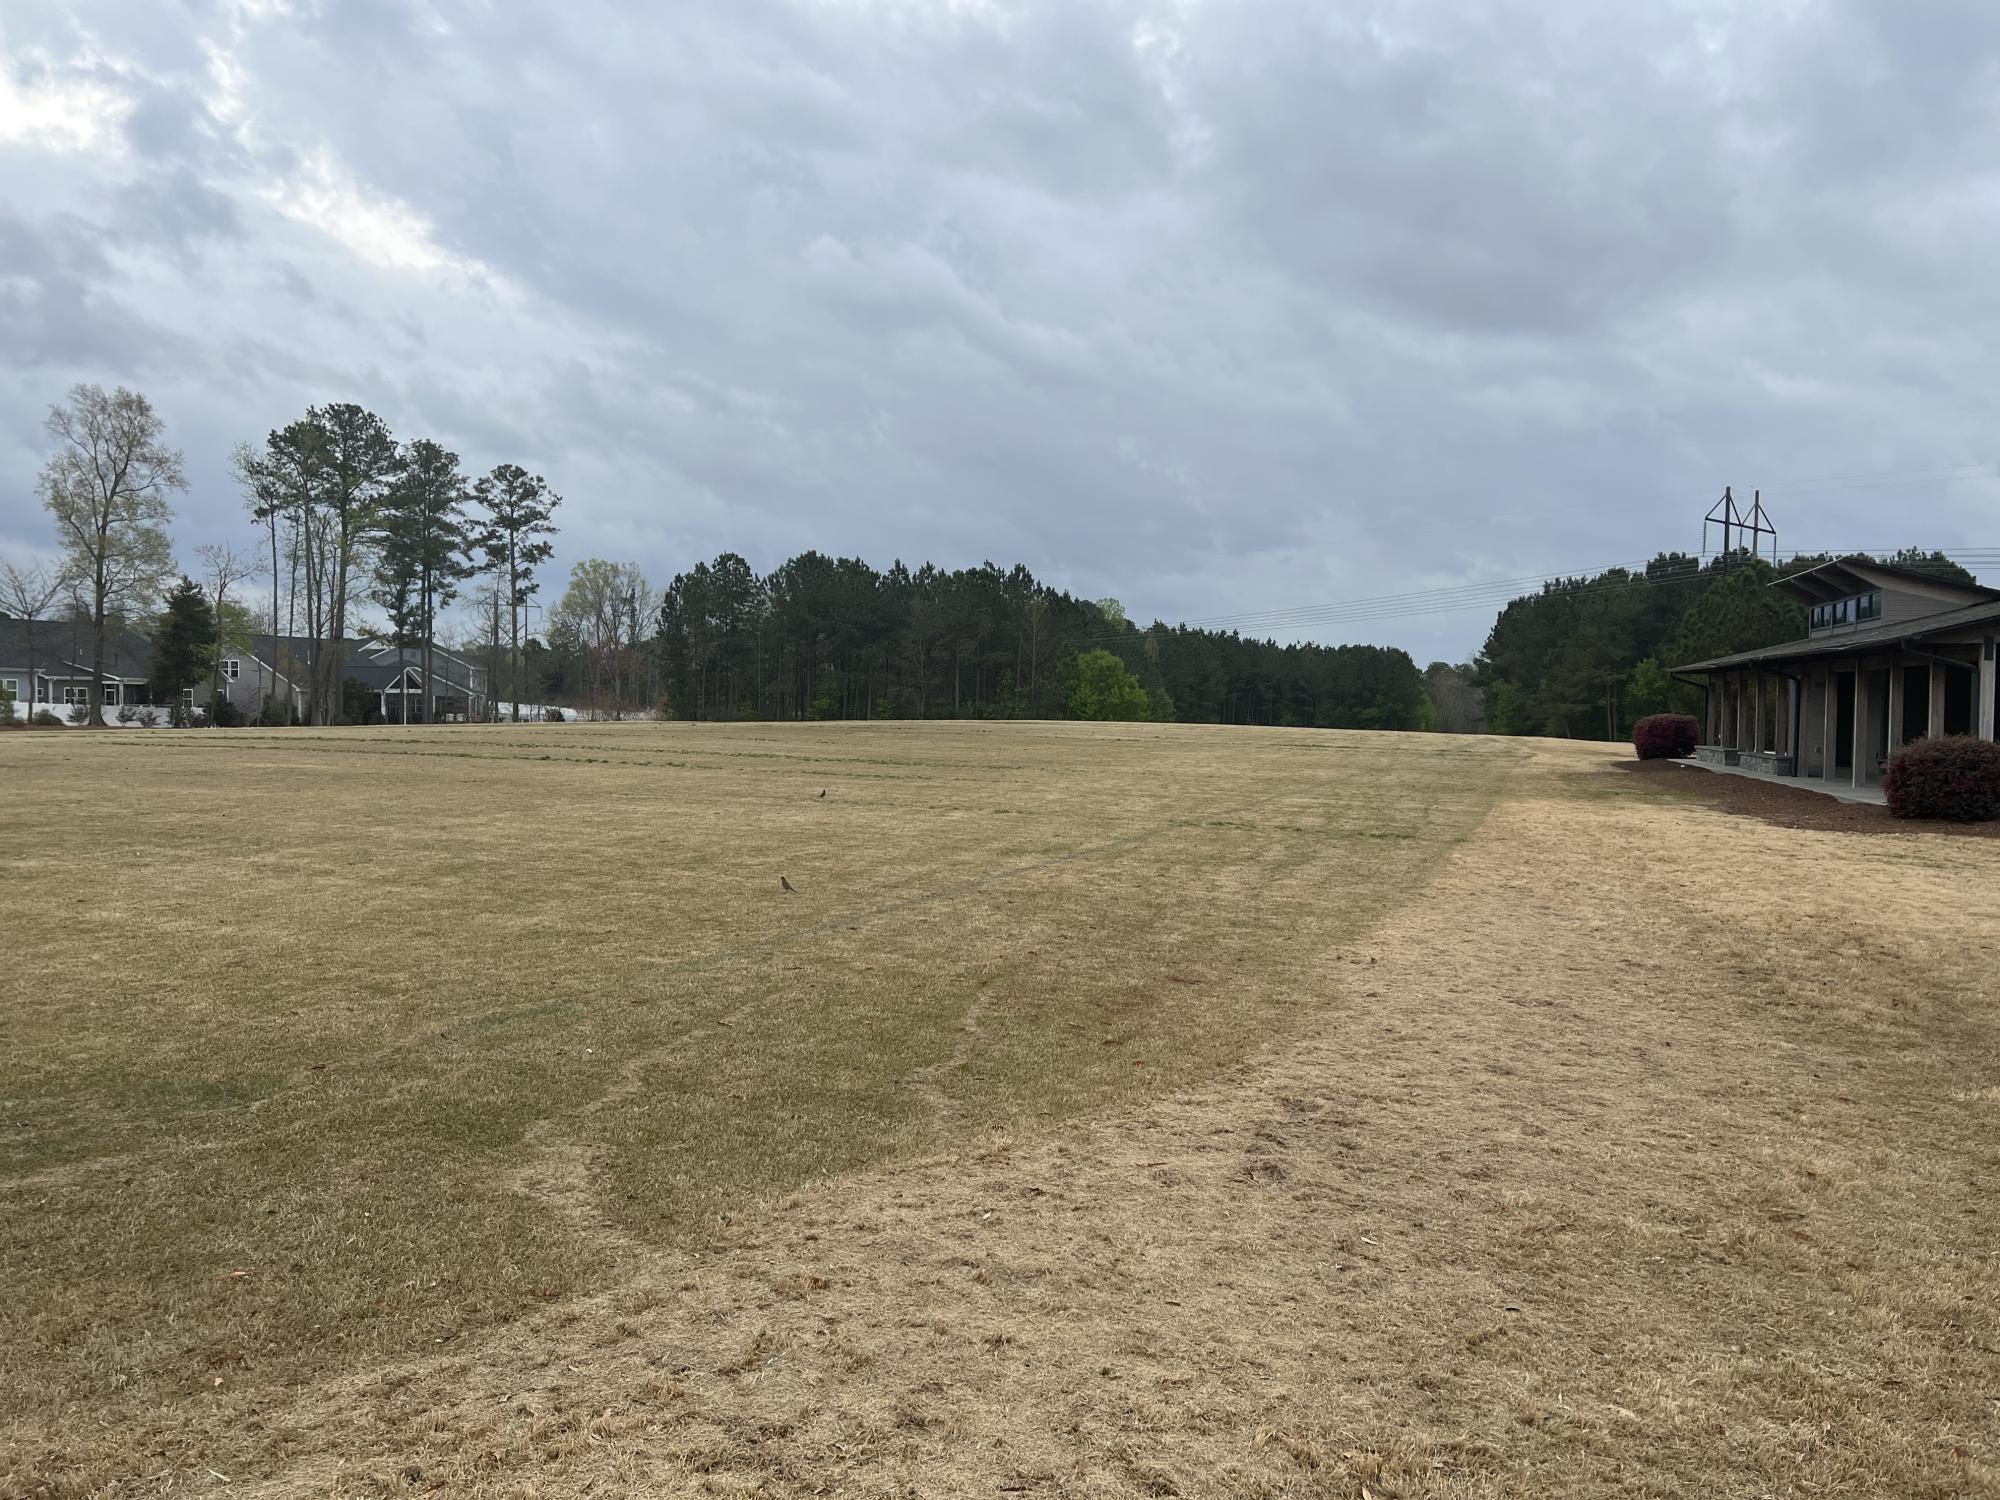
367 658
385 674
1866 638
62 648
1846 576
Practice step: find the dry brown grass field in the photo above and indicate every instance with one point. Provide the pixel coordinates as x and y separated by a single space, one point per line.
1111 1111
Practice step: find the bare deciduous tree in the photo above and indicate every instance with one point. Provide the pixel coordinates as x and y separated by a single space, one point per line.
106 485
223 567
599 625
27 595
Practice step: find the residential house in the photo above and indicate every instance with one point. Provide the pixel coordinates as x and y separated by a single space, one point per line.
392 677
394 674
48 663
1890 655
57 672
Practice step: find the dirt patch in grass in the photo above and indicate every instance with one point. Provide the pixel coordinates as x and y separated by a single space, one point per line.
1790 806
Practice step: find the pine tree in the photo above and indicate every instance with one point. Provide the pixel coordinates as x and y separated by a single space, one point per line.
423 550
515 540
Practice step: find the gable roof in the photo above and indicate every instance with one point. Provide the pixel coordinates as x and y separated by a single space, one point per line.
1855 642
366 658
62 648
1846 576
379 675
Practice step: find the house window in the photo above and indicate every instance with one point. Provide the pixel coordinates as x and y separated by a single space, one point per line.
232 669
187 695
76 696
1843 612
1819 617
1868 607
110 695
12 686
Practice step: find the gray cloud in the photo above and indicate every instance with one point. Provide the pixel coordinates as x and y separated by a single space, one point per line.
1215 306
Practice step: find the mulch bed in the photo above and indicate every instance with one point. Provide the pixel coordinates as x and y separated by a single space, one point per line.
1790 806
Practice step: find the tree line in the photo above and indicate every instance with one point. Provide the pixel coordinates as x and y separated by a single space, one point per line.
836 638
1587 657
351 517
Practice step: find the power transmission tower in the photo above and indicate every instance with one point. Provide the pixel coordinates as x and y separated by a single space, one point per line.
1736 522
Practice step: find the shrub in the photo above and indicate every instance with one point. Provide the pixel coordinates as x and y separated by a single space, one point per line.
1666 736
356 699
6 706
128 713
222 714
46 719
1105 689
1956 778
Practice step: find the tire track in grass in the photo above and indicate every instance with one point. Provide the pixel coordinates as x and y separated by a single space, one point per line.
664 971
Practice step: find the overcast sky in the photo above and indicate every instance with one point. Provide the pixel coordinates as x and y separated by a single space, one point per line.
1218 306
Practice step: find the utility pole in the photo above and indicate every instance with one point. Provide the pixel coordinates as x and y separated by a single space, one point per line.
1755 523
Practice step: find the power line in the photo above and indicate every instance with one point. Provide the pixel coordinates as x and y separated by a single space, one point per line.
1681 568
1665 497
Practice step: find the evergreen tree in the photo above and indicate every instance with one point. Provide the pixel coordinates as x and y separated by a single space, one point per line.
1934 563
358 463
423 550
514 538
183 641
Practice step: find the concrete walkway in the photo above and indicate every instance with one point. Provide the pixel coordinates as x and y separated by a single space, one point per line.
1840 791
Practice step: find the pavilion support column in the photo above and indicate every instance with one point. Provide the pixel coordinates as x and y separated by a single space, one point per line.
1830 726
1860 725
1895 702
1937 699
1987 726
1712 711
